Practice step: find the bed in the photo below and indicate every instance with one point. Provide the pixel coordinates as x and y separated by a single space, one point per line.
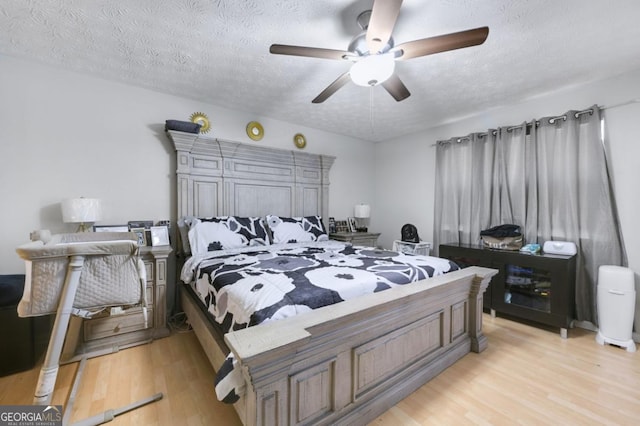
342 363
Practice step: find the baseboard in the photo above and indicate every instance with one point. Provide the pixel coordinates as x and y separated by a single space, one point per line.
587 325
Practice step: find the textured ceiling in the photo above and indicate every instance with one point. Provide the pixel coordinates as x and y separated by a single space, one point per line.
217 51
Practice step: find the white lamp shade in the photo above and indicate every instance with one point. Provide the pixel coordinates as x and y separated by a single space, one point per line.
81 210
362 211
373 69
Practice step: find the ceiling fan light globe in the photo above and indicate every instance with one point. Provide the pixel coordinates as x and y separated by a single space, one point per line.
373 69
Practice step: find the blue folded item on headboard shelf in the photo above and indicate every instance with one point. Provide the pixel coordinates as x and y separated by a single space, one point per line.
182 126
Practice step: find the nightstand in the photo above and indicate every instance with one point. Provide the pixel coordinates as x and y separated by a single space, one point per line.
368 239
110 332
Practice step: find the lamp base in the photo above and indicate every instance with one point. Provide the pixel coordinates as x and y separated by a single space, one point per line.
84 227
361 223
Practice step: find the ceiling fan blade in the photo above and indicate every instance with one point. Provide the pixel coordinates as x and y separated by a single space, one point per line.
332 88
442 43
396 88
312 52
383 18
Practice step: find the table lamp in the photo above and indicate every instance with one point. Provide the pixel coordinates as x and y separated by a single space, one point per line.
83 211
362 213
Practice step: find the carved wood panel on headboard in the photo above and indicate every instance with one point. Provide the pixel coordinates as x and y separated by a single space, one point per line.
223 178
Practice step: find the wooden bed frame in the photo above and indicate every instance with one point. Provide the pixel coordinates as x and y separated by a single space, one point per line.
340 364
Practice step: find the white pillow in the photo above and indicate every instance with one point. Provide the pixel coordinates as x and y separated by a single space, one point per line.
297 229
226 232
209 236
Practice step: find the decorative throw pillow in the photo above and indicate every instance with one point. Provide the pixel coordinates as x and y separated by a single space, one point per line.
297 229
226 232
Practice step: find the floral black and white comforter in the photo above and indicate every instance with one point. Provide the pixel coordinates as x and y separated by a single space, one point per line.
249 286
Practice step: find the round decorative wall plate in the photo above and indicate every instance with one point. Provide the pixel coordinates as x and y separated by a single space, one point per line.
299 140
202 119
255 130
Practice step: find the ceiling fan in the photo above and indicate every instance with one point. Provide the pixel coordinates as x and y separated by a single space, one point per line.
373 52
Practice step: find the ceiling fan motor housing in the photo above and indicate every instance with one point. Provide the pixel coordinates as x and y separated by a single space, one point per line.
359 45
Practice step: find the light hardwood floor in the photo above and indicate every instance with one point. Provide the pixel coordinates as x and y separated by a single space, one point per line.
528 375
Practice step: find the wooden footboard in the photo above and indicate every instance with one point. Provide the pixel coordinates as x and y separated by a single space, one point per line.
350 362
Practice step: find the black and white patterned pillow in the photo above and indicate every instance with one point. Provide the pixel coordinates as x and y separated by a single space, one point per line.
226 232
296 229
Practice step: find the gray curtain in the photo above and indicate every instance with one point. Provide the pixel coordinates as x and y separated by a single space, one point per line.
551 178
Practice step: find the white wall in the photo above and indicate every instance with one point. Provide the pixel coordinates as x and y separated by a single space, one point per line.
405 166
68 135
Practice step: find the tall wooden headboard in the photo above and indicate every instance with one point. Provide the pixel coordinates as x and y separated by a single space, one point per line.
224 178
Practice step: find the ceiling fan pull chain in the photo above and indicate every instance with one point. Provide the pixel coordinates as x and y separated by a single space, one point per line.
371 108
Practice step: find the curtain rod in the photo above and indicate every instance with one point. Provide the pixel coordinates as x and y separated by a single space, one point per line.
551 120
629 102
